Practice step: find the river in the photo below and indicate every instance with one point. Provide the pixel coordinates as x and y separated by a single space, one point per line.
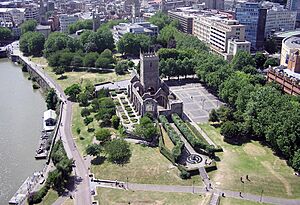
21 112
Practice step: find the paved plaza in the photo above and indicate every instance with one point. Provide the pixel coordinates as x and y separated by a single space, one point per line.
197 101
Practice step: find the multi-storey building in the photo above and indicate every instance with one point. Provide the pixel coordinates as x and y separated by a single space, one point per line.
294 5
213 4
224 36
278 18
185 20
289 45
12 16
66 20
32 13
253 17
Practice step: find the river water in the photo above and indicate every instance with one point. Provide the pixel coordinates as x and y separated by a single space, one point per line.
21 111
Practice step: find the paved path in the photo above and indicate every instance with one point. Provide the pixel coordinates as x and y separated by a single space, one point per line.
201 190
82 192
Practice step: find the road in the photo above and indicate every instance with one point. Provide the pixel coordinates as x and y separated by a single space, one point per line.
82 193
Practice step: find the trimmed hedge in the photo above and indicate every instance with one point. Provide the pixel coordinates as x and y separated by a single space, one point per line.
200 146
177 149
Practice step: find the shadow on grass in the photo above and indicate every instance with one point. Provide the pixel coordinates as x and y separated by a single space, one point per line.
98 160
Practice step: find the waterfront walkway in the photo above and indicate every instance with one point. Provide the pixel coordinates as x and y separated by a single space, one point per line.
82 192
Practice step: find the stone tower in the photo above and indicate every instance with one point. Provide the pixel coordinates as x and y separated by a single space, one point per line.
149 74
135 11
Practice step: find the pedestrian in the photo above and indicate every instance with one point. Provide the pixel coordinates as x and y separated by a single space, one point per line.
247 177
240 194
206 188
223 195
242 180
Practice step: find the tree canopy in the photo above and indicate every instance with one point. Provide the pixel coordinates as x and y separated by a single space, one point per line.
32 43
28 25
5 33
118 151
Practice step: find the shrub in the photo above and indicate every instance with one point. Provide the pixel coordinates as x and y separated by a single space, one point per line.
78 130
103 134
35 86
88 120
184 174
85 112
37 197
91 129
115 120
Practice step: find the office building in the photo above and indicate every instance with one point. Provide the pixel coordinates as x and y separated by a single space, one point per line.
294 5
253 17
66 20
278 18
224 36
213 4
185 20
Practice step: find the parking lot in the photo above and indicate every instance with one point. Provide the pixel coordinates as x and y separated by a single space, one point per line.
197 101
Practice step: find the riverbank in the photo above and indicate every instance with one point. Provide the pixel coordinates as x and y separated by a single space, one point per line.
21 110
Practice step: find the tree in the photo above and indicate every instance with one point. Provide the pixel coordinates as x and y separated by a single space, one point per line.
93 149
229 130
161 20
241 60
296 161
85 112
146 129
118 151
103 135
132 44
65 59
271 62
5 34
32 43
55 42
213 116
121 67
77 61
103 63
73 91
83 99
115 120
28 25
81 24
51 99
271 46
260 59
90 59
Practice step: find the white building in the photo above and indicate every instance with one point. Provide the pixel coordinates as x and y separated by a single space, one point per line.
49 120
135 28
32 13
224 36
65 20
12 16
278 18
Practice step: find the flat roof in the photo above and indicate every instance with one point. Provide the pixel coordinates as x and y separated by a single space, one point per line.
287 33
292 74
123 84
292 42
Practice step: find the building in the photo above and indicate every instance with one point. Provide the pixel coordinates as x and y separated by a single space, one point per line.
279 36
278 18
287 75
32 13
185 20
148 93
224 36
49 120
65 20
253 17
289 46
44 29
294 5
213 4
12 16
135 28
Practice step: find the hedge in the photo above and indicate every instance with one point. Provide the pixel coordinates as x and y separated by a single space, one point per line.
200 146
177 149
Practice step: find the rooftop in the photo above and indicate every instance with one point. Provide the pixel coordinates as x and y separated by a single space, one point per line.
287 34
292 42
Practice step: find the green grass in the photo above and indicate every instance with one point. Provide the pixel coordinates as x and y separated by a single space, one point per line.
266 171
167 141
50 198
146 166
115 196
233 201
79 77
84 138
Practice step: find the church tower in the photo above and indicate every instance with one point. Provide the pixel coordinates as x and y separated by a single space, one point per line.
149 74
135 11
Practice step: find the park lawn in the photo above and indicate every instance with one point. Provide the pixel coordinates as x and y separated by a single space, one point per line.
233 201
146 166
266 171
68 202
50 198
115 196
83 76
167 141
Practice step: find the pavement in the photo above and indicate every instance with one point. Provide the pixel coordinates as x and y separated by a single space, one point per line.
82 192
197 101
